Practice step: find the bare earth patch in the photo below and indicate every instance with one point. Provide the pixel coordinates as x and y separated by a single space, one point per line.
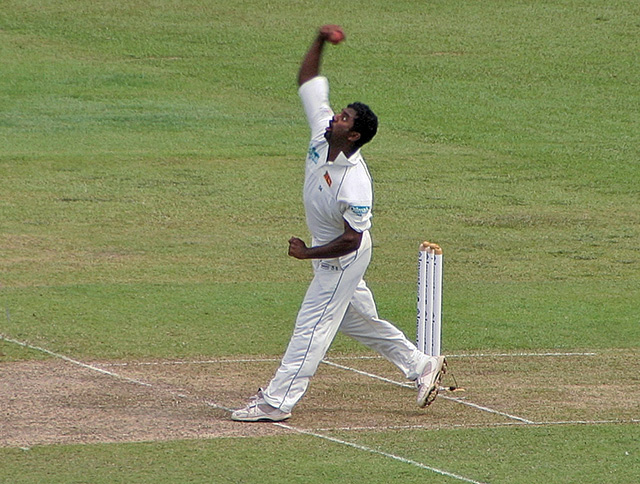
55 402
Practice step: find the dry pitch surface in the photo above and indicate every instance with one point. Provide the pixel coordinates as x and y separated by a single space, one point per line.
62 401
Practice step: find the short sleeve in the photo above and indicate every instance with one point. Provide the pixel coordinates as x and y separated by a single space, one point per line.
315 99
358 216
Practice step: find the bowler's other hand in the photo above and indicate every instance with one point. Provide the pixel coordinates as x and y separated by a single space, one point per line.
297 248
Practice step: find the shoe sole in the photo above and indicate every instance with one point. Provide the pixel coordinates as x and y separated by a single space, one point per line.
433 392
261 418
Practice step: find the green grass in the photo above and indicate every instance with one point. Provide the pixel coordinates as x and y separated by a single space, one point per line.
150 176
517 456
109 321
524 455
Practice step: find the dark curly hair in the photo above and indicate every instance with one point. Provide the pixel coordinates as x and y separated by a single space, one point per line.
366 123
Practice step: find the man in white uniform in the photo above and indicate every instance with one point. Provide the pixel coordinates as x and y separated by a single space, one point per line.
338 197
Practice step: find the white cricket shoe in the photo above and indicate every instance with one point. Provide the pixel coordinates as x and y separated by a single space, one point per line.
257 397
259 411
429 382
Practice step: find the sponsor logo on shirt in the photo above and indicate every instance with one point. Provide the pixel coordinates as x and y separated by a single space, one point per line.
328 267
360 210
327 178
313 154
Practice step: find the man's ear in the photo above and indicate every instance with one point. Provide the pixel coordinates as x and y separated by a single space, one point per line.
353 136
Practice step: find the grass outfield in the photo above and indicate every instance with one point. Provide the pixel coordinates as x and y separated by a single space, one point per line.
150 177
543 454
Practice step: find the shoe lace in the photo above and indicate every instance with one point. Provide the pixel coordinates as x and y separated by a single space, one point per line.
257 397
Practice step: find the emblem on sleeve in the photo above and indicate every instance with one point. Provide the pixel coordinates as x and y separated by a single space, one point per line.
313 154
360 210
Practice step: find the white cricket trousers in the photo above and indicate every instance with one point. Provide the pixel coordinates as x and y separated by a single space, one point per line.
338 299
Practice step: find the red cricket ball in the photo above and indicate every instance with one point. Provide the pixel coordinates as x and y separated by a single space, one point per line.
336 36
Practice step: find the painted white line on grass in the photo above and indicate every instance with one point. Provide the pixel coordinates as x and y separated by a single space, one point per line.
487 409
478 425
71 360
190 362
326 437
332 358
517 355
104 372
222 361
219 407
589 422
364 373
215 405
419 427
409 385
370 375
378 452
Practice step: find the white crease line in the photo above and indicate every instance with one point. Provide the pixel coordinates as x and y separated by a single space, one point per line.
589 422
409 385
219 407
191 362
104 372
517 355
308 432
338 358
371 375
487 409
478 425
75 362
215 405
222 361
379 452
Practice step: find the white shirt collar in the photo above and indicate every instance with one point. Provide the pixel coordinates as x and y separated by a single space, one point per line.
342 159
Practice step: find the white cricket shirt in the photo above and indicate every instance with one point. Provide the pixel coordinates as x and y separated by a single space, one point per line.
333 191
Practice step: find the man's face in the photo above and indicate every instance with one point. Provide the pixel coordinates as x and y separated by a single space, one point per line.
340 127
